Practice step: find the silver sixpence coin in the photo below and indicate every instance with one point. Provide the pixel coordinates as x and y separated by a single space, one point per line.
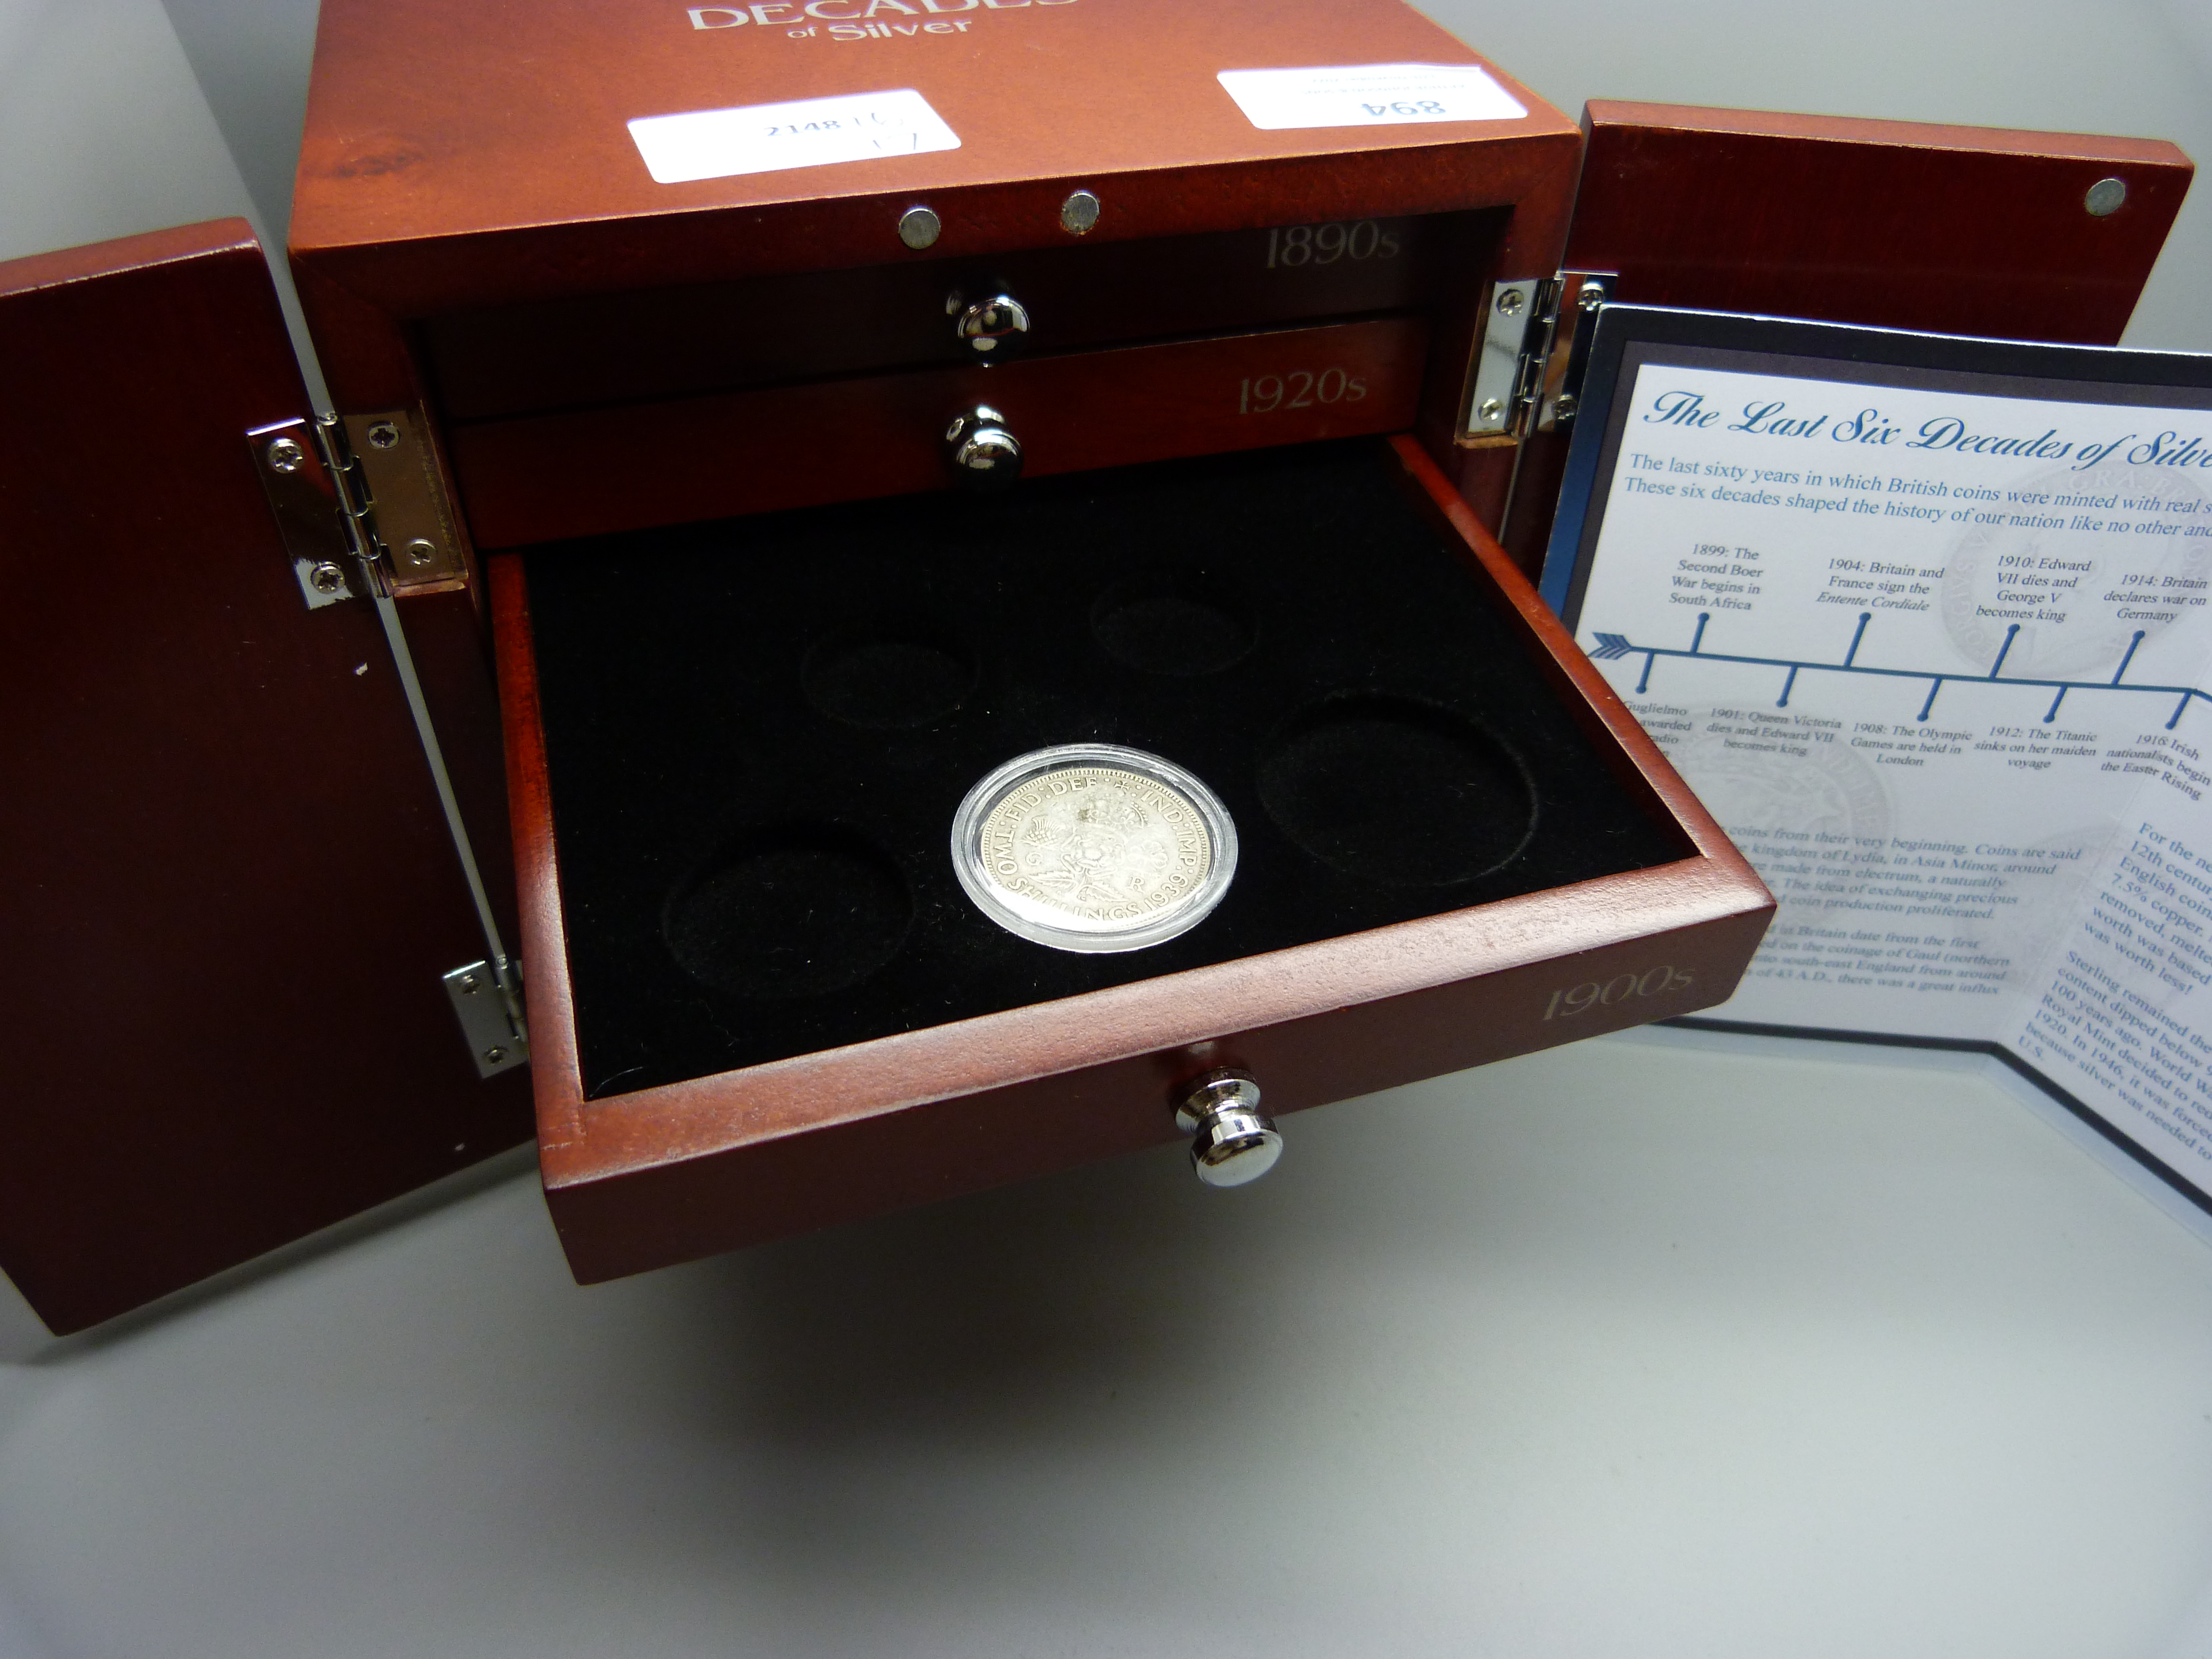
1093 847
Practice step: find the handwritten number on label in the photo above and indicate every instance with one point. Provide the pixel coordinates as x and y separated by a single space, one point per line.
1301 388
1568 1001
834 123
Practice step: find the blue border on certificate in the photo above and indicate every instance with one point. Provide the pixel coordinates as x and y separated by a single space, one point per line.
1628 337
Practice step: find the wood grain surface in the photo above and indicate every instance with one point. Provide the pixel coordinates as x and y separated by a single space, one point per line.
557 476
462 160
500 128
658 344
1894 224
1960 230
230 893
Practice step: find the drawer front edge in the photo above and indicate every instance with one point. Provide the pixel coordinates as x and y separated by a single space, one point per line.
616 1225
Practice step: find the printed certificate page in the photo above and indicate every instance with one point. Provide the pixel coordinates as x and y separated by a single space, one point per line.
1934 660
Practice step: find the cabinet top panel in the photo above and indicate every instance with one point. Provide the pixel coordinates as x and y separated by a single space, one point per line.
794 134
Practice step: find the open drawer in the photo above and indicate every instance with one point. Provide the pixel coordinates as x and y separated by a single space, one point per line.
761 1001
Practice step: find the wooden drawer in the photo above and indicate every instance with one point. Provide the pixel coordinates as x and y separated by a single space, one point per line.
680 342
547 476
673 754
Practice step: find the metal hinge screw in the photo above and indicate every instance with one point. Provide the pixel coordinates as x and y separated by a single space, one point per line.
286 456
327 578
1492 409
1509 301
419 552
492 1056
1564 406
383 435
1591 297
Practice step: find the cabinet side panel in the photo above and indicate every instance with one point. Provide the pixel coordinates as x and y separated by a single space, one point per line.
231 892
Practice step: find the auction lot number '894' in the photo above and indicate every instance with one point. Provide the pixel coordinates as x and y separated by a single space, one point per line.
1569 1000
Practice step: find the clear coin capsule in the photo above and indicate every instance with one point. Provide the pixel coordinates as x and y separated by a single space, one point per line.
1093 847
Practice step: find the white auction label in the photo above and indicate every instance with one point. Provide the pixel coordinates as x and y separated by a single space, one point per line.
807 132
1367 95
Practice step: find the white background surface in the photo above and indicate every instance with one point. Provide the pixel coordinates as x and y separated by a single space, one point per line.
1624 1350
1638 1348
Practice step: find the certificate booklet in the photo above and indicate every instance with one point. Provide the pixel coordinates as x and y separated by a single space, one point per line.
1924 621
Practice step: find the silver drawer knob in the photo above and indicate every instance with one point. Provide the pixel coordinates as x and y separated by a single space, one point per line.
983 454
992 328
1232 1141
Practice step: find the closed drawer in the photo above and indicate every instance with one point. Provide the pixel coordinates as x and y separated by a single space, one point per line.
677 342
597 470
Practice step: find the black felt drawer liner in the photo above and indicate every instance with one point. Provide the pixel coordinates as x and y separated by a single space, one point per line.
735 691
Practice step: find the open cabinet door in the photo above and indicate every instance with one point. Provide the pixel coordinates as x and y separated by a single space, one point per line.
230 893
1893 224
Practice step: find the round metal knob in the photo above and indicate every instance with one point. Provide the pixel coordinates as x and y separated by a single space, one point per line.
983 454
993 327
1232 1141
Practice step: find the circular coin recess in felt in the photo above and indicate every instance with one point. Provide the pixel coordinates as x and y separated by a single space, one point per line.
1093 847
1181 626
793 911
889 679
1397 791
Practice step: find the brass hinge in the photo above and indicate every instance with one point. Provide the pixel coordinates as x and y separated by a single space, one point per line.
358 501
1529 366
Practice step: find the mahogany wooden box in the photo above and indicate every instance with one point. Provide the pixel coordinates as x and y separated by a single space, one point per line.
673 455
605 356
